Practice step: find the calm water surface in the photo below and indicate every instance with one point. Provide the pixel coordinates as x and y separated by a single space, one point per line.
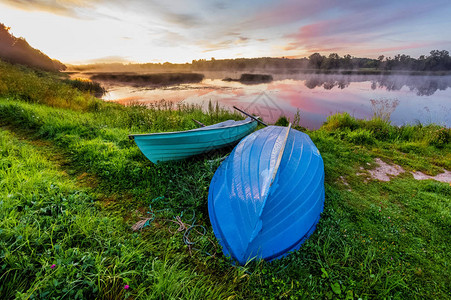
425 99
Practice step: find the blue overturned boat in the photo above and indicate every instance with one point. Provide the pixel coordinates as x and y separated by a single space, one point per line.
267 196
167 146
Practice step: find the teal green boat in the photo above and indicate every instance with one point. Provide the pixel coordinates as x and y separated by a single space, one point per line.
167 146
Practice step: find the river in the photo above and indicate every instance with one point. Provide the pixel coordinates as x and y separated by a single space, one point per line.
413 99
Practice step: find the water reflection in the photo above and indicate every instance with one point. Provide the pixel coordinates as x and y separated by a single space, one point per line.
422 99
421 85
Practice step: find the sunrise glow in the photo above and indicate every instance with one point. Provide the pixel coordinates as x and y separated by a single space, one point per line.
155 31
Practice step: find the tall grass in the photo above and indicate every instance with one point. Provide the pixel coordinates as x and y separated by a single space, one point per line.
383 108
374 240
379 128
92 87
55 243
41 87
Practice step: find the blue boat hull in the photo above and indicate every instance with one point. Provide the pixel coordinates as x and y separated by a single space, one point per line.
255 216
168 146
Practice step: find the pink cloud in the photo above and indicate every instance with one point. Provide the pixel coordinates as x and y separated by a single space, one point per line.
359 30
283 12
413 45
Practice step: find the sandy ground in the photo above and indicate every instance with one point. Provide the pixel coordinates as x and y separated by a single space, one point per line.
443 177
384 172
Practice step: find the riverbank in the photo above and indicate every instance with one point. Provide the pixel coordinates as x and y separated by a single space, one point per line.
72 186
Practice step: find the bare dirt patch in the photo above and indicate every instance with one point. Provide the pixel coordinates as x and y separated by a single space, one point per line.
443 177
385 171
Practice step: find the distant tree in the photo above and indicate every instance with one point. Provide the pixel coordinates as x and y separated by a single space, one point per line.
346 62
438 60
380 59
331 62
316 60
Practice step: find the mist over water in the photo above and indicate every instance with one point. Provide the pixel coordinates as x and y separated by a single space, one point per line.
425 99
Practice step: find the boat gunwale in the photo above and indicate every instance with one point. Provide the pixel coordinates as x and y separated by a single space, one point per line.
192 130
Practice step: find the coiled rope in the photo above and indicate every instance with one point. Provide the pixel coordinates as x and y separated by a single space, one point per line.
186 228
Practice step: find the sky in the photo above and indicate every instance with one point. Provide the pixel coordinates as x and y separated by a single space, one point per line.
87 31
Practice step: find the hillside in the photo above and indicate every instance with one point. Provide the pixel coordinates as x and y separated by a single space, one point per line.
18 51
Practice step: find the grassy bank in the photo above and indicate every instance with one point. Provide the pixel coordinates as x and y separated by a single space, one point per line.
72 185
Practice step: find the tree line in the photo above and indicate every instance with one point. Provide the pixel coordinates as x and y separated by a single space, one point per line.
436 61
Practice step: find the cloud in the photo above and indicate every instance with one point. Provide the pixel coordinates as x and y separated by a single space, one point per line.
167 38
241 40
62 7
354 31
255 28
106 60
209 46
284 12
413 45
214 46
183 19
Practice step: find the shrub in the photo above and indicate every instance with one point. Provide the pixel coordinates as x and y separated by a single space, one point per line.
439 137
92 87
381 129
408 132
282 121
340 121
360 137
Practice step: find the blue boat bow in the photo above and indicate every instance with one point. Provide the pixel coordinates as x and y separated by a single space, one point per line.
266 198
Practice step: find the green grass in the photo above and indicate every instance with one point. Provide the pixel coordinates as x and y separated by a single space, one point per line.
72 184
47 219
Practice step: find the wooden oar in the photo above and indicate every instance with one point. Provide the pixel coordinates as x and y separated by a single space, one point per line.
199 123
250 116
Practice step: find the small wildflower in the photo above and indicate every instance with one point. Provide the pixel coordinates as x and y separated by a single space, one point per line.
53 266
389 217
126 287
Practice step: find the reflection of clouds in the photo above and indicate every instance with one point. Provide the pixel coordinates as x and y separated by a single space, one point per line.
122 94
321 102
317 103
266 107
